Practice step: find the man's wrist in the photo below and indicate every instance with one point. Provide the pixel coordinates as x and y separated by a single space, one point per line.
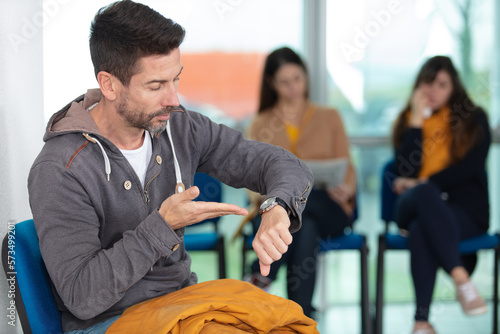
272 202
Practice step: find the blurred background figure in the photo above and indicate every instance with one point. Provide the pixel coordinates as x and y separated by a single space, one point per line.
441 141
288 119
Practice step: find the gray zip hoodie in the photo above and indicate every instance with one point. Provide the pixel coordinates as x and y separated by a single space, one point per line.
105 245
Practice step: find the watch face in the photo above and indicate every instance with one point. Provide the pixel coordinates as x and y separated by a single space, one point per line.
267 202
271 202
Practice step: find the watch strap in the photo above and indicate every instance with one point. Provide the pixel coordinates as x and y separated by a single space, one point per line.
283 204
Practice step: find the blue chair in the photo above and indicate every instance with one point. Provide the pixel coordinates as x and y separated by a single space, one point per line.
210 191
28 277
394 241
351 241
348 241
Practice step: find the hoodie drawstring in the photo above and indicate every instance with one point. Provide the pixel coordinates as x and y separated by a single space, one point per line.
179 187
107 165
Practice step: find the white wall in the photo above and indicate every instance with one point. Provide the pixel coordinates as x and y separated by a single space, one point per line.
21 116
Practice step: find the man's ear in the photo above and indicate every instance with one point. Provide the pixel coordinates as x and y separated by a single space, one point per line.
109 85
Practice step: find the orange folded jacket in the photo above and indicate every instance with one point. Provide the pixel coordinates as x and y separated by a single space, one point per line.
219 306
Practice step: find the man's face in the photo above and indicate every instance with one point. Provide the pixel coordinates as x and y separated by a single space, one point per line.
152 92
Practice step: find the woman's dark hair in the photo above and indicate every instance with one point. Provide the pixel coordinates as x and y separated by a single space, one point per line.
125 31
464 130
274 61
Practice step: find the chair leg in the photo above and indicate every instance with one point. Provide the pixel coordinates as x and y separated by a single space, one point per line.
495 291
243 258
379 299
365 303
222 257
244 250
321 274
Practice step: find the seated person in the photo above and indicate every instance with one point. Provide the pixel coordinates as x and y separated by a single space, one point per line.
441 142
288 119
107 191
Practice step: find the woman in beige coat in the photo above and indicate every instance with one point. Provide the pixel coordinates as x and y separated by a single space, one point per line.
288 119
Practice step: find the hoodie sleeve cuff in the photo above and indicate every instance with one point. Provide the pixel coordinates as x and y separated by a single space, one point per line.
160 234
296 204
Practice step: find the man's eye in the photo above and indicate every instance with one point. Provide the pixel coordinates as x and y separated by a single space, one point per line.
155 88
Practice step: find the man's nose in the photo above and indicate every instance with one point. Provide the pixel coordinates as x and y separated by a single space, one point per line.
170 97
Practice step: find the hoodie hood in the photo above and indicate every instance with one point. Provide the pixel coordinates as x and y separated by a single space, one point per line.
74 117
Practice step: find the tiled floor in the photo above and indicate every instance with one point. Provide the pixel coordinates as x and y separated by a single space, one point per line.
447 318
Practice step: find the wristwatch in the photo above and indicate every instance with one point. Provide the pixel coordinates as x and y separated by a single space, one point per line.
271 202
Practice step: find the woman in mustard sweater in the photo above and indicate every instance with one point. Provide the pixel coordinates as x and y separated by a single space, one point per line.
441 142
288 119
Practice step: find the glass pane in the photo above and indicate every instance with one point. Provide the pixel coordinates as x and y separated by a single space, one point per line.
375 48
222 54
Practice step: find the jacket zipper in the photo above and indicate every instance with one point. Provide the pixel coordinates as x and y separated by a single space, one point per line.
146 187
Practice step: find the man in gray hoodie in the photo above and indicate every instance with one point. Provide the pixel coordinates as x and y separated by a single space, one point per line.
111 190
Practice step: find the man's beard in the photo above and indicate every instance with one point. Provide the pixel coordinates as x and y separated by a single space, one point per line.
139 119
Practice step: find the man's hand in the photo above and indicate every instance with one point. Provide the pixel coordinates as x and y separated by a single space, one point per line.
272 238
180 210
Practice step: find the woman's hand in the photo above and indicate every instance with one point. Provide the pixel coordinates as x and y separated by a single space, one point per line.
341 194
402 184
419 103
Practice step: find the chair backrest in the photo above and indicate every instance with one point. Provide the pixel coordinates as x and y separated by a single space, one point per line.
34 300
210 188
355 212
387 195
196 240
210 191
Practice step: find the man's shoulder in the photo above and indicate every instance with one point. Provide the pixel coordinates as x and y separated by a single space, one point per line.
62 149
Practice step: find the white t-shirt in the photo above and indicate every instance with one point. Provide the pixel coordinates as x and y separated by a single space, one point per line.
139 158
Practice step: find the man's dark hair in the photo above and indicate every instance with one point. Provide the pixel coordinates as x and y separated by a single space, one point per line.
125 31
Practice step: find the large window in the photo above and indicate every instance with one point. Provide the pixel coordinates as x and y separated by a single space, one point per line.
222 54
375 48
225 47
